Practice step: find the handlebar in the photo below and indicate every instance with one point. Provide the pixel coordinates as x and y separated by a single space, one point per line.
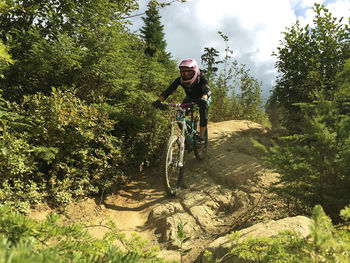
165 106
184 105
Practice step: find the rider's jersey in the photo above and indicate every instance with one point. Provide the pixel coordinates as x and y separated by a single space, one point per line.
195 91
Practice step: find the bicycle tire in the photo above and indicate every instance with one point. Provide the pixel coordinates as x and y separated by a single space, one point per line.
172 172
201 152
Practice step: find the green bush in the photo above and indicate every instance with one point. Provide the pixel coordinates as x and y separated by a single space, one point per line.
314 165
326 243
27 240
17 164
142 131
66 150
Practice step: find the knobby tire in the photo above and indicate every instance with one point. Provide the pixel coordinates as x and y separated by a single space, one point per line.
172 173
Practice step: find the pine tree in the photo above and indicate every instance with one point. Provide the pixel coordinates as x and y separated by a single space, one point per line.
209 60
153 34
314 165
308 60
249 99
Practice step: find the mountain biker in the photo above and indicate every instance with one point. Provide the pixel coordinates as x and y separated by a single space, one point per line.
196 87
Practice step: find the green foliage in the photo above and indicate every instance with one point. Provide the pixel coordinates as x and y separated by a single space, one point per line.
321 236
274 113
223 106
17 187
8 117
182 239
286 247
308 60
314 165
16 162
324 244
85 45
63 145
152 33
5 58
249 99
27 240
66 151
141 128
235 93
209 61
245 105
327 243
69 44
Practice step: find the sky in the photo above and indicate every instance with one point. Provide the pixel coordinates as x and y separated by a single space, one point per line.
254 29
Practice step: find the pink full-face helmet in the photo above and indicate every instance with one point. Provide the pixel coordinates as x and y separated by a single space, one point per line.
189 71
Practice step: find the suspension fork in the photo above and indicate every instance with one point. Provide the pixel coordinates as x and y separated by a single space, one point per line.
182 142
181 137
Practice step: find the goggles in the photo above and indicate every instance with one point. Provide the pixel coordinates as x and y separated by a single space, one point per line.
187 74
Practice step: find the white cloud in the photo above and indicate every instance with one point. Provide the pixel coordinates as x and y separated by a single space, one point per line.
308 17
307 3
254 28
340 9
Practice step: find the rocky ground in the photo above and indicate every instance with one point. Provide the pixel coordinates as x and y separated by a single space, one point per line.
224 192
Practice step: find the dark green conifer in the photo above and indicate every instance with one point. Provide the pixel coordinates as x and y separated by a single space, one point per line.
153 33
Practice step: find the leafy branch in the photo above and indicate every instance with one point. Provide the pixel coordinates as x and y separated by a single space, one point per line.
182 239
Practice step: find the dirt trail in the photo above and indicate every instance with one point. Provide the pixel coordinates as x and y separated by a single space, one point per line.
222 193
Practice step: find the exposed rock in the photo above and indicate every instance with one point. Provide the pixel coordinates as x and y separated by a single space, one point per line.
199 210
299 224
226 190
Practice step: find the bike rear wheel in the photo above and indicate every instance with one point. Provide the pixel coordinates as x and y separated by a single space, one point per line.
200 151
173 170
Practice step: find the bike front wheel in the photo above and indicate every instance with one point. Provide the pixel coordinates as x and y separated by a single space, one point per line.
173 168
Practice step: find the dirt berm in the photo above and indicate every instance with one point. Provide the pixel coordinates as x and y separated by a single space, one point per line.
224 192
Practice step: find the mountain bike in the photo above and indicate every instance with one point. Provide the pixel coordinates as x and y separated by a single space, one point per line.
184 137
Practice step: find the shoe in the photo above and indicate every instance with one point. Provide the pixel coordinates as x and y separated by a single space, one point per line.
174 191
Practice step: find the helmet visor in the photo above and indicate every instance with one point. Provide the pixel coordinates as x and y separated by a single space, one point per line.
187 74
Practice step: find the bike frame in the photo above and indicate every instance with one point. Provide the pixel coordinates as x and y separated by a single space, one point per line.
184 122
184 131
